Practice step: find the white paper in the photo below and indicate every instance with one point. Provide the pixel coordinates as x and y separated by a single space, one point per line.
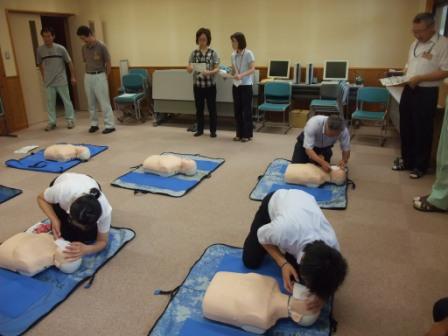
394 81
26 149
199 67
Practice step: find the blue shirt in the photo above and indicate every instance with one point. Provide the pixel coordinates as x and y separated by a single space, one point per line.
241 62
314 135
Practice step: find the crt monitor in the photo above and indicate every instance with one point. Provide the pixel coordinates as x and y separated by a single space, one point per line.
278 69
336 70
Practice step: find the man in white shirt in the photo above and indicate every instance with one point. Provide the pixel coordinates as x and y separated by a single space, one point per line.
291 228
426 68
315 143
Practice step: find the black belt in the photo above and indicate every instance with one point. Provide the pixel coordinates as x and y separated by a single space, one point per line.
95 72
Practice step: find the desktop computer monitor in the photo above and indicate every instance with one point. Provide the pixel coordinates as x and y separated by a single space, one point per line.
278 69
335 70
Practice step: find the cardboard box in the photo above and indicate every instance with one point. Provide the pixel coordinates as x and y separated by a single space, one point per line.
298 118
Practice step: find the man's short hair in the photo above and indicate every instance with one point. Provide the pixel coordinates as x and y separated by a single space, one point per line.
207 34
47 30
335 123
322 269
84 31
426 17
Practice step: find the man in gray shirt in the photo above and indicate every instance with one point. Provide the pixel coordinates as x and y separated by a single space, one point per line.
52 58
97 60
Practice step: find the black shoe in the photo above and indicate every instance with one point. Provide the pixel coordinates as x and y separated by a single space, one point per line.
416 174
108 130
198 134
93 129
212 135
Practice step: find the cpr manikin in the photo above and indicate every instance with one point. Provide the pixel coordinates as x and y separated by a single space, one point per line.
29 254
169 165
310 175
254 302
65 152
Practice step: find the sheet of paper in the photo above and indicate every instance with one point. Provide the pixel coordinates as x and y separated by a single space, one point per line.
26 149
394 81
199 67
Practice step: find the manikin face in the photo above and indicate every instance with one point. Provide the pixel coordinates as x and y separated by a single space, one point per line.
48 38
422 32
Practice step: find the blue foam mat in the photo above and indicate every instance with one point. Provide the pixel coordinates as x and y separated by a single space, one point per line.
183 315
6 193
177 185
328 196
50 287
36 161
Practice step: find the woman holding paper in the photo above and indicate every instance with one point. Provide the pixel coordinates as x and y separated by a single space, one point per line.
243 67
204 64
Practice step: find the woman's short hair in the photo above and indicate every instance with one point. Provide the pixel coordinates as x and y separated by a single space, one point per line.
240 39
207 34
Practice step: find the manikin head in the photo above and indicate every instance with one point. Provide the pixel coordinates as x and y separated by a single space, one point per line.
322 269
337 175
83 153
334 126
48 36
423 27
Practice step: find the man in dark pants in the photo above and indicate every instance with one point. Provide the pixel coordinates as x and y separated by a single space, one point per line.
291 228
315 143
427 66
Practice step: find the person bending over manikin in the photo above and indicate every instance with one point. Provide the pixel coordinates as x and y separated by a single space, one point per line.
310 175
30 254
65 152
169 165
254 302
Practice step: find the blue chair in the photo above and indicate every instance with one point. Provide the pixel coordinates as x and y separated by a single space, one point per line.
277 99
333 98
135 92
371 95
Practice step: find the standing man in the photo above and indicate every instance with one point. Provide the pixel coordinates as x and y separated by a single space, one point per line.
97 59
314 144
52 58
427 66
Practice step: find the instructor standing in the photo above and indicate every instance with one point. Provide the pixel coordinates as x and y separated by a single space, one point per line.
427 66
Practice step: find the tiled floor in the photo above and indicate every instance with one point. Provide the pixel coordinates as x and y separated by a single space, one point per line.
397 256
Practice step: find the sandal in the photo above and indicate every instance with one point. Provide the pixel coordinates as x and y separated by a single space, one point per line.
398 164
236 139
419 198
416 174
425 206
245 139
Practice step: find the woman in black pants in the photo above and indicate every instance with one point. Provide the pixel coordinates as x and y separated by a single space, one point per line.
243 67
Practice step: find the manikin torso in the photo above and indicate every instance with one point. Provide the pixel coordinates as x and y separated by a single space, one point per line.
169 165
254 302
66 152
310 175
29 254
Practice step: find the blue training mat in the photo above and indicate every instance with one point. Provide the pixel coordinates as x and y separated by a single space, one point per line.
177 185
183 314
24 300
328 196
6 193
36 161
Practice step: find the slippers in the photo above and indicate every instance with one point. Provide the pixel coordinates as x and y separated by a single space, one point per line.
416 174
424 206
398 165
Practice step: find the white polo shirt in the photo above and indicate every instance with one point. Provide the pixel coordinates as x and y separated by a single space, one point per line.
428 57
314 135
296 220
70 186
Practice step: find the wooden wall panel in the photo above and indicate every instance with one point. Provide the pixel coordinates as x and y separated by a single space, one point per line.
13 103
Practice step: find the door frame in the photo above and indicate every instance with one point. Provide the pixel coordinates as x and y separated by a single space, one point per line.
8 12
